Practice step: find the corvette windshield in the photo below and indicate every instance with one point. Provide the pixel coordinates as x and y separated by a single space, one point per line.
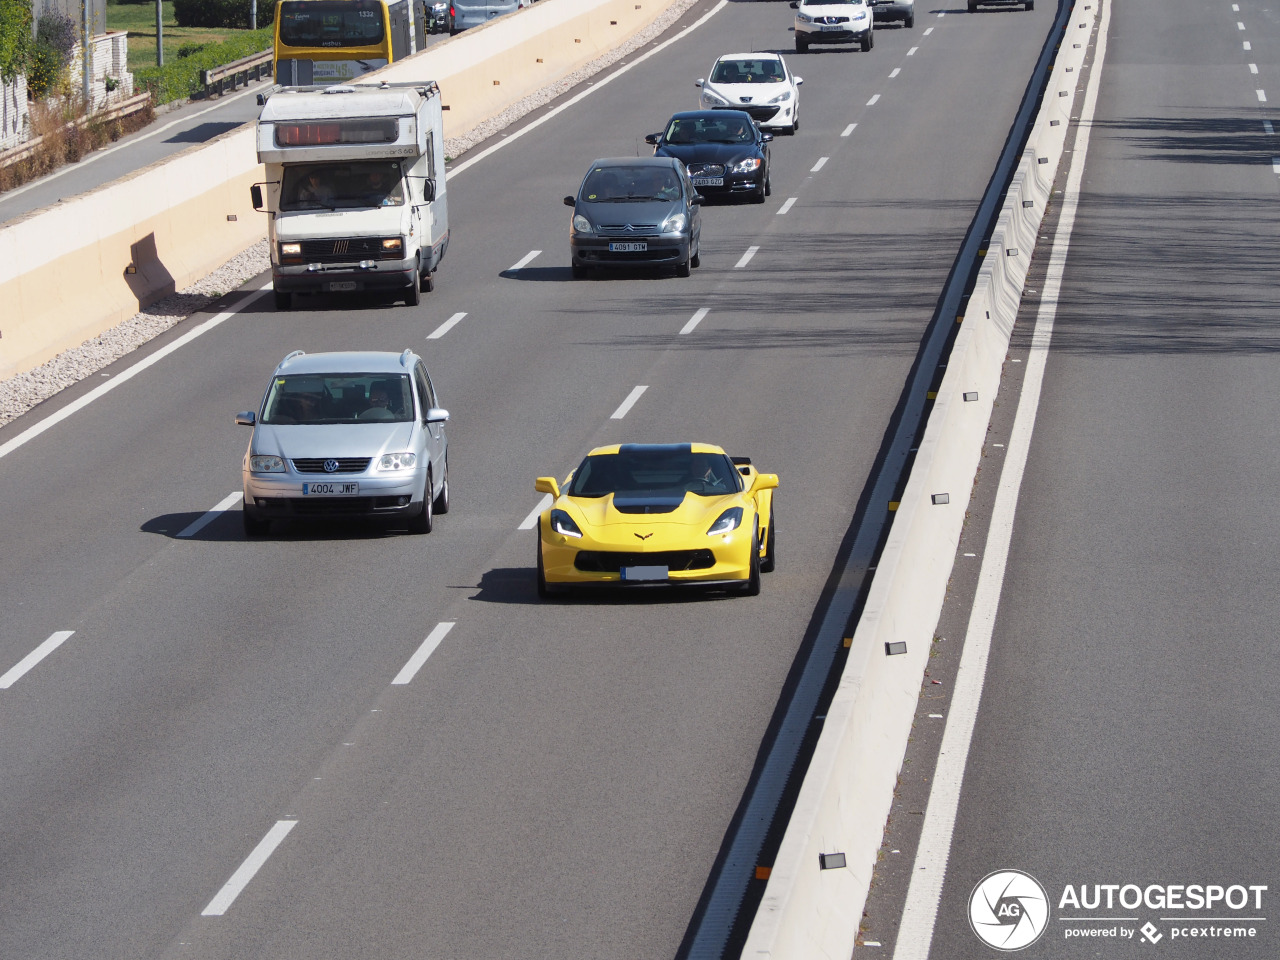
665 473
748 71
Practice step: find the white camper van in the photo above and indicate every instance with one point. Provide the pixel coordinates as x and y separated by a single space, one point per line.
355 188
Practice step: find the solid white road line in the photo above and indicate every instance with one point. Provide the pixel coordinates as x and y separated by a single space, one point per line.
920 912
786 206
531 521
872 101
523 261
626 405
410 669
32 432
697 317
223 506
445 327
822 162
591 89
745 258
849 129
252 864
31 659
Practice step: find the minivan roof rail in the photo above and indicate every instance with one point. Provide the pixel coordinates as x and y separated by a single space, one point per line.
296 353
406 358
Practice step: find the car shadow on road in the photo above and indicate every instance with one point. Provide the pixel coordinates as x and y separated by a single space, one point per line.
225 527
539 274
519 585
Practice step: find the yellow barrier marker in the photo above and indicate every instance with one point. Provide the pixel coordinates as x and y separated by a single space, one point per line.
762 873
893 505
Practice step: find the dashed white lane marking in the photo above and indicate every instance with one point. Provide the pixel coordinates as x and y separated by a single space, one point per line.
927 32
920 910
32 432
523 261
1253 68
1248 45
1275 165
445 327
872 101
1239 25
625 407
702 312
1262 96
822 162
205 519
912 51
531 521
1235 8
16 672
252 864
942 14
786 206
1268 128
894 72
428 647
745 258
849 129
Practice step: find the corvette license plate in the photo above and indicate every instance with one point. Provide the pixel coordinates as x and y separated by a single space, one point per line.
342 286
708 181
644 573
348 489
632 246
833 27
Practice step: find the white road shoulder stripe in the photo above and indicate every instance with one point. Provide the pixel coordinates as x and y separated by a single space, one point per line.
625 407
223 506
252 864
428 647
17 671
445 327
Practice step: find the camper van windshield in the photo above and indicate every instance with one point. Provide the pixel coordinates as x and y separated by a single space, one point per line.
334 186
331 23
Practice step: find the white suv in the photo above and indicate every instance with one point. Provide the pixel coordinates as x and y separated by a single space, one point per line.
833 21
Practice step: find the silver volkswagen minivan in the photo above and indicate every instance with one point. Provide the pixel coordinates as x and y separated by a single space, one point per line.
357 434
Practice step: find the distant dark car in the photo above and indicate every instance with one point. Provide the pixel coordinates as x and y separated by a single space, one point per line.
635 212
723 150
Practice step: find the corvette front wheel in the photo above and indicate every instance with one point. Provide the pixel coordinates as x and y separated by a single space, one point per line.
752 589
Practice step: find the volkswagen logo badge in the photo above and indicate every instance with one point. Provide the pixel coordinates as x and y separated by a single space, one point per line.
330 466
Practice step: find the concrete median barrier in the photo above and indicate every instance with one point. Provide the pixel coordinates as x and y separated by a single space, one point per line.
69 272
809 912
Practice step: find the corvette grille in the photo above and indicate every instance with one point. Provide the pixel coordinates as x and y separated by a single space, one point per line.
612 561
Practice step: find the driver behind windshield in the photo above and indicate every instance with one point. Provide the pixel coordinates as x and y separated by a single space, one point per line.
631 183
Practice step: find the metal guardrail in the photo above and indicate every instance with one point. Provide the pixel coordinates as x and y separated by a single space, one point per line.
236 72
117 110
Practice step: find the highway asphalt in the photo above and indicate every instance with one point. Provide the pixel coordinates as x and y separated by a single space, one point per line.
557 778
1126 734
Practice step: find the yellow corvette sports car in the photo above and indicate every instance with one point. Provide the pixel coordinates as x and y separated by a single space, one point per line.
657 514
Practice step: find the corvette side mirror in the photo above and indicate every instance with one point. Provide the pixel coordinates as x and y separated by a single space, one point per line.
764 481
547 485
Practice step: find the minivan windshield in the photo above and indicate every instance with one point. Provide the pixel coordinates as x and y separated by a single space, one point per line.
313 398
334 186
620 184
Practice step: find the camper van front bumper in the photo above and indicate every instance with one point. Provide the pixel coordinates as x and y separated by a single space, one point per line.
345 277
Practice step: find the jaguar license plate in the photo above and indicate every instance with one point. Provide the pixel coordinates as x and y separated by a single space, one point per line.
631 574
349 488
708 181
342 286
630 246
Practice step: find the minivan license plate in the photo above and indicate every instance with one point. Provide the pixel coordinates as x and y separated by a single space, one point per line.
342 286
629 247
348 489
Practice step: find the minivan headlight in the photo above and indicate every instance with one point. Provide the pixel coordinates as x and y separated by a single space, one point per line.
581 224
730 520
674 223
266 464
397 461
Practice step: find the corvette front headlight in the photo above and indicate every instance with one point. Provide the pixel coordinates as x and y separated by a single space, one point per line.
397 461
562 523
674 223
266 464
749 165
730 520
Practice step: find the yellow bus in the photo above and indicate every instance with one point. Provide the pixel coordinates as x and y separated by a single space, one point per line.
331 41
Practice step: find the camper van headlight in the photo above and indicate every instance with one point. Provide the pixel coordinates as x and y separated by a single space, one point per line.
392 246
290 249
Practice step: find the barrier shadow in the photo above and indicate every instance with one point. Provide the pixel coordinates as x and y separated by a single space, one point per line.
146 275
204 132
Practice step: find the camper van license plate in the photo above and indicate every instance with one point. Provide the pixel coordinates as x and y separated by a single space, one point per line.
632 246
348 489
342 286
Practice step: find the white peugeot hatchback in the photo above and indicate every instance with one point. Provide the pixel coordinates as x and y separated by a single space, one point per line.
347 434
759 84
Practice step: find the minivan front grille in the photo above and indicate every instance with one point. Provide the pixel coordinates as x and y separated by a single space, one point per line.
345 464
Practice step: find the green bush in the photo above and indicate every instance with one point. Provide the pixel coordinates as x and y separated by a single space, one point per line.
187 49
221 13
15 38
179 78
45 68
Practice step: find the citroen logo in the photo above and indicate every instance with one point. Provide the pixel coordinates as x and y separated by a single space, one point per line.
629 228
330 466
644 536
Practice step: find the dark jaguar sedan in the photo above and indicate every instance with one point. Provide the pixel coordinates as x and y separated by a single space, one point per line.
723 150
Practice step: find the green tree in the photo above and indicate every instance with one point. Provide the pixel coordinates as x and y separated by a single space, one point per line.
15 38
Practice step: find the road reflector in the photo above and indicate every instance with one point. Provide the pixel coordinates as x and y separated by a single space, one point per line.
762 873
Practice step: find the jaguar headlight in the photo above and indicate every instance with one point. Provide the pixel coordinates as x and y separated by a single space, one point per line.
749 165
266 464
397 461
728 521
581 224
563 524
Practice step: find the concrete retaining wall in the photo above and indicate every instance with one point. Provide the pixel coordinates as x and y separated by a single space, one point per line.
809 913
63 270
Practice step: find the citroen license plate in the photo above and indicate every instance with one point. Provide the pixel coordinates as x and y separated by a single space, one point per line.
629 246
631 574
349 488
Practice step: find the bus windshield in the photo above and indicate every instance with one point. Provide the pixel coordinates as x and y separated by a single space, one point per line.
331 23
